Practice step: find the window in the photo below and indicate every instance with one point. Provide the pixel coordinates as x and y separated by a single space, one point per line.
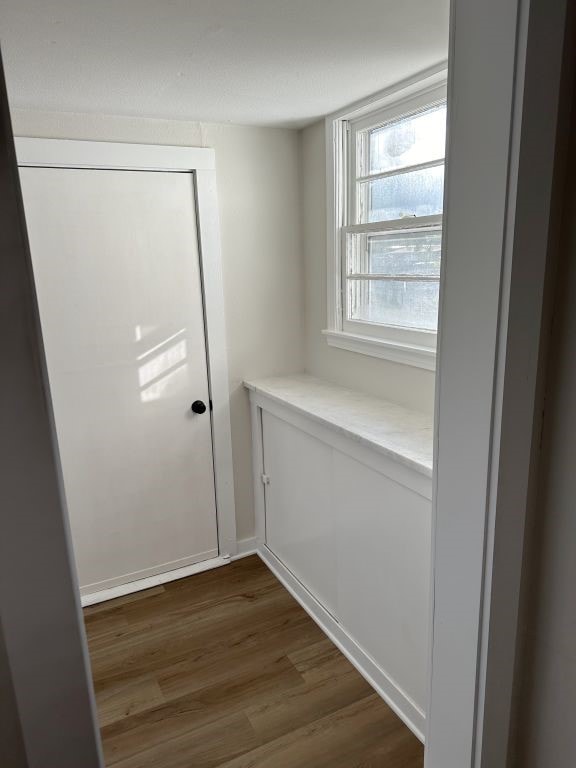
385 227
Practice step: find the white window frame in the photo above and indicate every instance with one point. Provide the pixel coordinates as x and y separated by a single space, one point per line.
409 346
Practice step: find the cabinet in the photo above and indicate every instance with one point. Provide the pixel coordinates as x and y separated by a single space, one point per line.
348 529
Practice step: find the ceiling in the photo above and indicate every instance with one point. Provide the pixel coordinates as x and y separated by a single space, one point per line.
253 62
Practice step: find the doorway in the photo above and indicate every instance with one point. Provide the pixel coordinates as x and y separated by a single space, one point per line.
119 279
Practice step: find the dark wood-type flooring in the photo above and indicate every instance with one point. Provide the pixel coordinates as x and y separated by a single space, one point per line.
225 670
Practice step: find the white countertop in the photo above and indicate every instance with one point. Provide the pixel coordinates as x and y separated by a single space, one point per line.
392 429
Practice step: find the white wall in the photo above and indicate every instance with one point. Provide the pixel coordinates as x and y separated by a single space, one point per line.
43 651
258 189
413 387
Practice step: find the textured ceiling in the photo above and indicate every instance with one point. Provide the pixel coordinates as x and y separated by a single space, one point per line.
254 62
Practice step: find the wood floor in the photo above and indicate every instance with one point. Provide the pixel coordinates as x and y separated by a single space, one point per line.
225 670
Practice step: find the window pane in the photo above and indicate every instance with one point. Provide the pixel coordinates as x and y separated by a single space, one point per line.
408 304
418 193
395 253
412 140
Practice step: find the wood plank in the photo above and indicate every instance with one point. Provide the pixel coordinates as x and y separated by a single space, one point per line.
205 747
119 701
331 742
245 654
120 602
167 635
209 704
103 625
320 660
306 703
192 645
398 750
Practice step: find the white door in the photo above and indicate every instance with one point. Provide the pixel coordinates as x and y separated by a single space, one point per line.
116 266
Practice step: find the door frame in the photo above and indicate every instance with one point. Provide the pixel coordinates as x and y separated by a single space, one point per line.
507 133
200 162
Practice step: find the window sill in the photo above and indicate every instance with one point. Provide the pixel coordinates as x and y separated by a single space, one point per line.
407 354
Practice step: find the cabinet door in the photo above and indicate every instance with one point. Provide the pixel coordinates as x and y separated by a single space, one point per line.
299 516
383 549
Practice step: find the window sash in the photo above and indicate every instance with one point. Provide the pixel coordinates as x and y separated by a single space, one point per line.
399 171
360 305
398 333
366 194
401 278
393 225
363 135
358 152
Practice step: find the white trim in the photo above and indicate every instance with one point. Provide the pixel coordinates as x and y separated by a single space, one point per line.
111 588
421 82
541 131
336 206
217 353
103 595
68 153
200 162
504 132
144 573
245 548
410 93
408 354
257 470
387 688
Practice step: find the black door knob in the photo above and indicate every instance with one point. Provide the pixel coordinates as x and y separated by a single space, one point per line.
198 406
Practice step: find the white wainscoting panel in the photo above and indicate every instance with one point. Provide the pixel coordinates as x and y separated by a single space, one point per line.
383 552
299 518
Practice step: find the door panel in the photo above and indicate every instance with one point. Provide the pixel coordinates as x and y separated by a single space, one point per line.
299 517
383 552
117 272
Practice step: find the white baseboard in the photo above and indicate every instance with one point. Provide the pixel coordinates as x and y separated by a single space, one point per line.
245 547
144 573
126 585
396 699
137 585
